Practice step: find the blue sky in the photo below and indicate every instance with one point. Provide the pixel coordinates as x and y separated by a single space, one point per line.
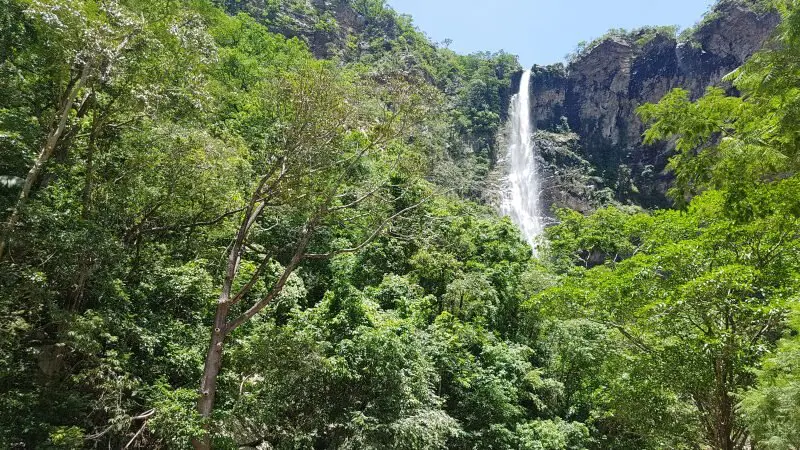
540 31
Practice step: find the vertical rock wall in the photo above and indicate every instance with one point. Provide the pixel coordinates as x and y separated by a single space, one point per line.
598 92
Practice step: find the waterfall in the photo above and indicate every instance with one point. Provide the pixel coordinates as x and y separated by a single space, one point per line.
522 184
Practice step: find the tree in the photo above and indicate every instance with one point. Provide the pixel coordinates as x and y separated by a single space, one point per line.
327 160
697 306
771 407
105 70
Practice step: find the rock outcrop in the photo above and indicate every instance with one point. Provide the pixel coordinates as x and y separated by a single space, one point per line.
597 94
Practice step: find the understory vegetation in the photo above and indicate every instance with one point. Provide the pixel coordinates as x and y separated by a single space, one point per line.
212 238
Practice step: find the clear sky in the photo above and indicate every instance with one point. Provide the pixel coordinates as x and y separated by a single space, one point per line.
540 31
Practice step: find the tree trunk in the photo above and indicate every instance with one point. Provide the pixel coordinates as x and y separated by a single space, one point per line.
44 155
86 262
88 183
208 384
222 327
724 407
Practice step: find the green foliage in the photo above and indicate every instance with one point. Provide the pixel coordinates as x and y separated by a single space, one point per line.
694 299
418 320
175 420
609 234
66 438
771 408
555 435
343 374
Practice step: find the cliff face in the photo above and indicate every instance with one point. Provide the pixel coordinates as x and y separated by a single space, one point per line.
597 94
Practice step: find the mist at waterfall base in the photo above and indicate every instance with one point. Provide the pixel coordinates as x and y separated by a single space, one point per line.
522 184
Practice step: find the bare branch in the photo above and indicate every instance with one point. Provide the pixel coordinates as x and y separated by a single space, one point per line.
252 282
357 201
300 249
372 236
144 415
203 223
133 439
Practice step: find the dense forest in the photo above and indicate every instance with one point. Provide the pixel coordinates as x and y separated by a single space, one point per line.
254 224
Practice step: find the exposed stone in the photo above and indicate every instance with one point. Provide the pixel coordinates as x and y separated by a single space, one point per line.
599 93
567 180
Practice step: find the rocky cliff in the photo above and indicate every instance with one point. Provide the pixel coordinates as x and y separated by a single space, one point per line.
596 96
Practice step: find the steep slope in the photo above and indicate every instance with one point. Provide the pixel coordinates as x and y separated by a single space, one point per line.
474 90
593 151
349 30
325 25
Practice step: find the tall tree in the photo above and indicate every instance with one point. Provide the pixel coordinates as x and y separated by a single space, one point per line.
332 155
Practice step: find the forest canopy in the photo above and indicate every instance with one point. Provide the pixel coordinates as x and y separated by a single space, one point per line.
218 234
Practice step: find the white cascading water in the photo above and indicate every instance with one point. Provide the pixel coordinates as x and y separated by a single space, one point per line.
522 184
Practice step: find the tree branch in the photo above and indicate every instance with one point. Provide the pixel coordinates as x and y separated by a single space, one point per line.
252 282
203 223
372 236
357 201
302 243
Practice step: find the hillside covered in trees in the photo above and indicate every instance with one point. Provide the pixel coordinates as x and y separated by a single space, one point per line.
269 224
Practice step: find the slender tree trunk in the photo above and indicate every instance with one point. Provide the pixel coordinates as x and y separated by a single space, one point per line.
223 326
86 262
208 384
723 408
44 155
213 363
88 184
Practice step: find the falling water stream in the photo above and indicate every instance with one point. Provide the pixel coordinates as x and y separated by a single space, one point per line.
522 184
